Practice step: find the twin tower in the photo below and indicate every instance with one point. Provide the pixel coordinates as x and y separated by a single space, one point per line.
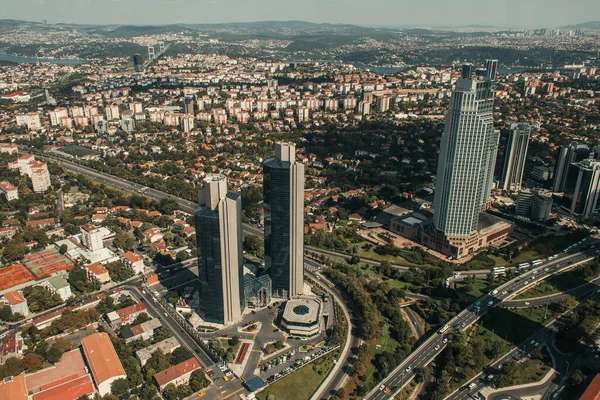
218 223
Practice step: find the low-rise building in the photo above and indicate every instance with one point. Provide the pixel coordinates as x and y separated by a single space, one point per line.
103 361
96 272
167 346
142 331
178 374
16 302
59 285
125 315
134 261
9 191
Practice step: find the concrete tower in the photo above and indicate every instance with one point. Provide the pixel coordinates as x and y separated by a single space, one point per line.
515 157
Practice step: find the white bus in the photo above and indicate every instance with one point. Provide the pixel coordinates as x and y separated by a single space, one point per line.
524 265
536 262
443 329
496 271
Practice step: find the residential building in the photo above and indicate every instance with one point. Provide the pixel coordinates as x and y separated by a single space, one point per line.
16 302
582 188
134 261
40 176
91 237
31 120
125 315
9 191
167 346
178 374
59 285
515 157
97 273
220 264
102 360
465 173
142 331
112 112
283 202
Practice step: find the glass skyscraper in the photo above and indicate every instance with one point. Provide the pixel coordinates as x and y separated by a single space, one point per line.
515 157
283 202
465 168
220 257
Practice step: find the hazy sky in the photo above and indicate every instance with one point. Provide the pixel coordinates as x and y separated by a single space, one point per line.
531 13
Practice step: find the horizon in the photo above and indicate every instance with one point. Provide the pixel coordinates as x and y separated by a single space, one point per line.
381 13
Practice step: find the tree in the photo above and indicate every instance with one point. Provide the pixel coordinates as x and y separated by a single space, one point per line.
170 392
55 352
123 241
105 305
180 355
234 341
63 249
120 388
198 380
33 362
421 374
13 251
254 245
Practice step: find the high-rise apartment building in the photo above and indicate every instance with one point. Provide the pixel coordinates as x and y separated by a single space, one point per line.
515 157
283 200
218 223
91 237
465 173
582 188
567 155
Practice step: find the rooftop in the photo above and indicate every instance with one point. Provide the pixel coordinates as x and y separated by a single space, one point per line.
101 357
13 388
170 374
302 310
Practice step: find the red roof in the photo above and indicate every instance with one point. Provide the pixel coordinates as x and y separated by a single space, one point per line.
14 298
71 390
102 358
176 371
593 390
126 311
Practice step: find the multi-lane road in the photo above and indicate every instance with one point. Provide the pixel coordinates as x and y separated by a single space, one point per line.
434 345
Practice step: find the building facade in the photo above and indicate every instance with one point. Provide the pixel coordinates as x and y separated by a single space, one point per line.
283 202
220 262
582 188
567 155
515 157
465 170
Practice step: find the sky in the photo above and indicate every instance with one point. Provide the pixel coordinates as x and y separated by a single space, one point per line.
517 13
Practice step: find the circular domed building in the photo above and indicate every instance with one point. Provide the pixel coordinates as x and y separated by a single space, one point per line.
302 316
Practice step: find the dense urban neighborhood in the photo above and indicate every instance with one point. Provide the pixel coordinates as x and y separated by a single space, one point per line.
211 211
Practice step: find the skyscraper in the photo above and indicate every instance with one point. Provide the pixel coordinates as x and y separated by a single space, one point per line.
491 69
568 155
465 169
138 64
283 202
218 223
515 156
582 188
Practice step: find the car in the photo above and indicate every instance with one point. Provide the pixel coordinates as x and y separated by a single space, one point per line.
490 303
386 390
472 385
436 348
504 292
527 303
408 369
532 342
490 377
445 340
381 387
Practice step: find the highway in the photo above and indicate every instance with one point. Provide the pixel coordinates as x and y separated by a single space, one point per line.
553 298
434 345
541 337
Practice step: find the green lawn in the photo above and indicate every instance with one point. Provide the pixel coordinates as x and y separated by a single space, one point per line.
301 384
476 289
535 314
511 325
532 371
555 284
500 262
526 256
371 255
226 346
79 151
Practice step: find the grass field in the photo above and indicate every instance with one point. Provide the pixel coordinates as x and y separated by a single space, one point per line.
510 325
226 346
535 314
301 384
500 262
526 256
79 151
476 289
371 255
555 284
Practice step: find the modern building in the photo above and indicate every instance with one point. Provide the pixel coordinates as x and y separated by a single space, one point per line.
541 206
102 360
524 202
283 202
582 188
138 63
515 157
491 69
302 316
91 237
567 155
465 173
220 262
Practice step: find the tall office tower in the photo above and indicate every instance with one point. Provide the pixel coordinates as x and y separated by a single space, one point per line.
491 69
467 70
541 206
568 155
188 106
582 188
218 223
514 159
138 64
283 201
465 168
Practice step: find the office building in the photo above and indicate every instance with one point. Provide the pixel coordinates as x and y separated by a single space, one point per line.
567 155
515 157
220 263
467 71
491 69
138 63
283 202
524 202
541 206
465 173
582 188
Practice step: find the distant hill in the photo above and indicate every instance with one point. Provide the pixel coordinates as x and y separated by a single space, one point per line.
585 25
